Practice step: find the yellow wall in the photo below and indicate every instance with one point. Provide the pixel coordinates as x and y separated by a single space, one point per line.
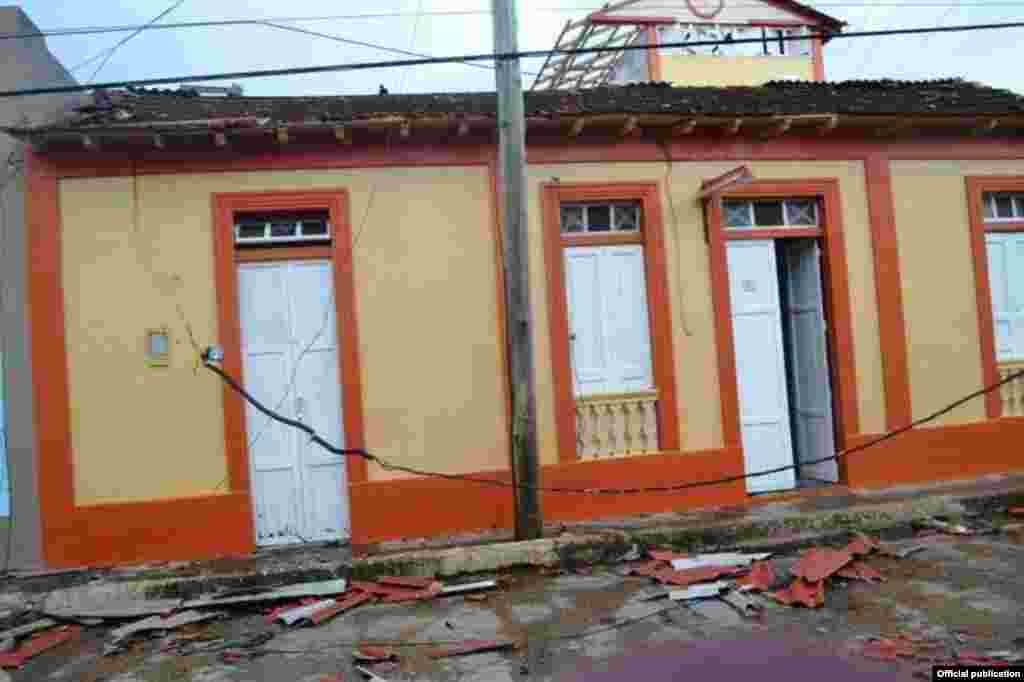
939 301
689 286
712 70
425 277
433 391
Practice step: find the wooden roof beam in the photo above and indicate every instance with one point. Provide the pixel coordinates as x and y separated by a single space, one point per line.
630 127
220 139
894 129
779 128
577 126
281 135
828 125
733 127
405 128
684 127
985 127
342 135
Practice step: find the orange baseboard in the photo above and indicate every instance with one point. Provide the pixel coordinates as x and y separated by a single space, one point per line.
163 530
938 454
409 508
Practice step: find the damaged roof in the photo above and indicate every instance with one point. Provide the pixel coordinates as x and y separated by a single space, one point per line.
136 109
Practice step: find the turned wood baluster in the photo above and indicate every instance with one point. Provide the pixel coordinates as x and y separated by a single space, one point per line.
609 411
644 436
581 423
627 427
595 423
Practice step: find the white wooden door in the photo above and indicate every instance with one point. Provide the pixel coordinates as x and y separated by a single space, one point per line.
290 357
610 338
760 363
1006 281
813 427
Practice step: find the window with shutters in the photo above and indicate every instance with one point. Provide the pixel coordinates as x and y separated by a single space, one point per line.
1002 224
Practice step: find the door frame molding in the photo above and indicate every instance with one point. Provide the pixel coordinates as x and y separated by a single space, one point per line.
977 185
658 304
836 292
226 260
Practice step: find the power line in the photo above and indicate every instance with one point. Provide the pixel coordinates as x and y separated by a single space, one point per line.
390 466
488 56
124 40
360 43
215 23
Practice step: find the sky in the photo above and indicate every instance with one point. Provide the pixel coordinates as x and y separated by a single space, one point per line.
990 57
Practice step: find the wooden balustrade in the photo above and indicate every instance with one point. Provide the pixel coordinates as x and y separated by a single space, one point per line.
1012 393
616 425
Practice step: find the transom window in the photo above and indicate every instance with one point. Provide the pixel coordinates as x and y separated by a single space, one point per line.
622 216
769 213
1003 206
282 228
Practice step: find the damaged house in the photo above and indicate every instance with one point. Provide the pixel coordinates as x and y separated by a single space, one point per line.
345 254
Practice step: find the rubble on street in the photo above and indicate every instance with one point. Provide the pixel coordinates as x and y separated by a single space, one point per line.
396 627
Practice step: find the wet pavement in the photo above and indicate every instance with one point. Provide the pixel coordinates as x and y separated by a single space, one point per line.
960 593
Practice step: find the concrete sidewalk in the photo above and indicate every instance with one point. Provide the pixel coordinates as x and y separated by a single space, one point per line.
777 522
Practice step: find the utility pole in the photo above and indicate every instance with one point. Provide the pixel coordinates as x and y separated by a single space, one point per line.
518 318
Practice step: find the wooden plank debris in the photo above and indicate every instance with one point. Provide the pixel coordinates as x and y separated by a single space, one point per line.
76 606
351 601
720 559
470 646
293 616
37 644
158 623
324 588
469 587
705 591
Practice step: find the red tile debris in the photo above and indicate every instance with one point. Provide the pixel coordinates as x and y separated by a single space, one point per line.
37 644
858 570
335 677
349 601
800 591
885 649
374 654
470 646
408 582
666 555
699 574
399 596
761 576
818 563
862 545
648 568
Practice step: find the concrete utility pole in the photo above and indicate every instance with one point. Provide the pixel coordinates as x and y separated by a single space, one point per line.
519 320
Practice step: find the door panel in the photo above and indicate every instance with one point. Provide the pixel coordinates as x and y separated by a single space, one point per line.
760 364
586 323
291 363
610 343
629 341
811 391
1006 281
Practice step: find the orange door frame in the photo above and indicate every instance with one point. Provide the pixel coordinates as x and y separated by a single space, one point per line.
651 236
976 188
226 256
836 294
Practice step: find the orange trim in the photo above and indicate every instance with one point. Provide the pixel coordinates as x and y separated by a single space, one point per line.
780 233
818 59
484 507
336 203
939 453
892 330
837 303
654 71
658 303
602 238
109 533
976 186
270 253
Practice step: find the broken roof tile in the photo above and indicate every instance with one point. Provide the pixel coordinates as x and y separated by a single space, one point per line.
818 563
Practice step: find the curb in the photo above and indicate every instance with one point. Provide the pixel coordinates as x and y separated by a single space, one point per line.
784 533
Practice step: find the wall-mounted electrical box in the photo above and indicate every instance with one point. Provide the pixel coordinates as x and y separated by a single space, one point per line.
158 347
